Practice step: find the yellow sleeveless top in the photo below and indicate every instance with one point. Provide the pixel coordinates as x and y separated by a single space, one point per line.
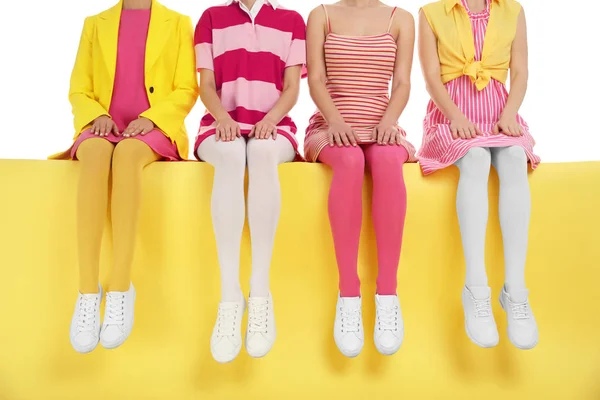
456 48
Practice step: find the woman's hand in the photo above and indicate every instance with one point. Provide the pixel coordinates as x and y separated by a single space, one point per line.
264 129
464 129
386 134
342 134
508 126
103 125
140 126
228 130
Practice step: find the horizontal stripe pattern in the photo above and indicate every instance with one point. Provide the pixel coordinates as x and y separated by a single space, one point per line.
359 71
253 39
243 64
245 116
252 95
249 61
204 56
484 108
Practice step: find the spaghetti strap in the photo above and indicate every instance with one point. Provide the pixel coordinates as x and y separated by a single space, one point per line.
328 21
392 19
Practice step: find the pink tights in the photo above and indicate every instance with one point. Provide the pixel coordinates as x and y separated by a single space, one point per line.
345 210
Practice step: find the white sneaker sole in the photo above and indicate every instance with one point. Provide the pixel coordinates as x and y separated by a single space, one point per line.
85 350
485 346
258 354
255 354
114 345
229 358
390 351
350 354
520 347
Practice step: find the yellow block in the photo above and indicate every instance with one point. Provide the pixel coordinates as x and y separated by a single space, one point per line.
168 356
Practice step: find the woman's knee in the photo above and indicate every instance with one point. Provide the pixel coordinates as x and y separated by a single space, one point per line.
344 159
223 154
476 163
133 153
262 152
388 157
513 155
95 154
476 158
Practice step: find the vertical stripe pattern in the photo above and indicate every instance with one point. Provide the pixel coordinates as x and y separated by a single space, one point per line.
484 108
359 70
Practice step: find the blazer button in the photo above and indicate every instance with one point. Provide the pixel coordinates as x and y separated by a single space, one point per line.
151 89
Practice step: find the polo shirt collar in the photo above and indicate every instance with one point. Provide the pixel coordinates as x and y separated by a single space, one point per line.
272 3
450 4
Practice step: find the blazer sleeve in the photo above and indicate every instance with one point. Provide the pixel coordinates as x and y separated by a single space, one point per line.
81 93
169 114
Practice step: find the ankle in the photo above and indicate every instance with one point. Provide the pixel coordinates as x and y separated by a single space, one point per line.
383 292
232 296
119 287
89 289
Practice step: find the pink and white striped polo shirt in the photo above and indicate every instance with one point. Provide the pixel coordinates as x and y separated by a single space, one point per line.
249 52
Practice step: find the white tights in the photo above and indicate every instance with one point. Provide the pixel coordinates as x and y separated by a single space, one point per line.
228 207
514 210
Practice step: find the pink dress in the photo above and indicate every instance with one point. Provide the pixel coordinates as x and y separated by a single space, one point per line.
359 70
129 98
439 150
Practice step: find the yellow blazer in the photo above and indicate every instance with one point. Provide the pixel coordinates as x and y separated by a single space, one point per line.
456 48
170 71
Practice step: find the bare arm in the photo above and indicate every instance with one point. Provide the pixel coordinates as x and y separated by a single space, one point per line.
317 75
291 88
340 133
430 63
387 132
227 128
289 96
519 75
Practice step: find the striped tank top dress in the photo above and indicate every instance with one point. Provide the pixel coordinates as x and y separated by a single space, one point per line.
439 149
359 71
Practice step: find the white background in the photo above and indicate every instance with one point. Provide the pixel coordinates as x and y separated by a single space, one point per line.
39 38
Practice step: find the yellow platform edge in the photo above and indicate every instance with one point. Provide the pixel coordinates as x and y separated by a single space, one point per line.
177 280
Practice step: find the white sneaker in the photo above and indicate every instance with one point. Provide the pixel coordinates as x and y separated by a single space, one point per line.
118 318
389 327
522 328
479 319
226 339
348 328
85 324
261 332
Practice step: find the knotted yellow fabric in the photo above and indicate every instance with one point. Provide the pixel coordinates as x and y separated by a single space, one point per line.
456 46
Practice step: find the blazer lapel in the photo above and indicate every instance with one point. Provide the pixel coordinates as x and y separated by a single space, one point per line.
158 34
108 36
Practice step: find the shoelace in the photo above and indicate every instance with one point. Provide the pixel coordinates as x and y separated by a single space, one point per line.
226 320
483 308
387 318
86 320
115 309
258 315
350 319
520 310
